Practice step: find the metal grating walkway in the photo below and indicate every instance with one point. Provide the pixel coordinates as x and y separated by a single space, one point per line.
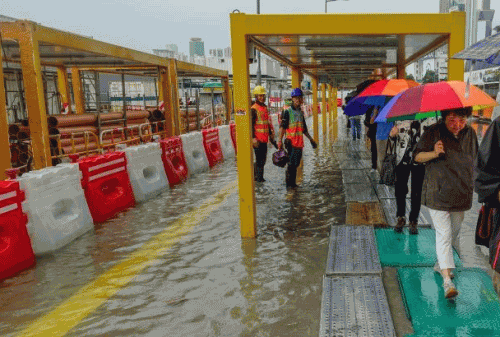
352 250
355 306
355 177
354 164
389 207
359 193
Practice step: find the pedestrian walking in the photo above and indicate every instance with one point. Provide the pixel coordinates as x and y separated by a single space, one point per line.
355 122
487 186
406 137
262 131
448 150
371 133
294 128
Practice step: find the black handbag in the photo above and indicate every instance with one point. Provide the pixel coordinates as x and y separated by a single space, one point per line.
495 240
388 171
485 225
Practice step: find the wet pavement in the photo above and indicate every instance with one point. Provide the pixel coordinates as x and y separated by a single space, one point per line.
208 282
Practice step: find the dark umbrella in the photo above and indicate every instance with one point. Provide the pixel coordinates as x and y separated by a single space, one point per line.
486 50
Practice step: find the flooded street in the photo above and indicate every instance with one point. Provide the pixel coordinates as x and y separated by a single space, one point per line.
210 282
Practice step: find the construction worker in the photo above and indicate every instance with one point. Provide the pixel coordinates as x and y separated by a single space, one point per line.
294 125
262 131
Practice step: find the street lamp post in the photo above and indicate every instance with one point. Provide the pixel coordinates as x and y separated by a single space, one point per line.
326 1
259 74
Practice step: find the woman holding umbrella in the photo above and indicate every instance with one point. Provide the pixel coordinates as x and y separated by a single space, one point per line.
448 150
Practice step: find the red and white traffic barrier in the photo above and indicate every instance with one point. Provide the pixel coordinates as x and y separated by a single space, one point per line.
106 184
212 146
226 142
56 207
174 160
196 158
232 127
146 171
16 253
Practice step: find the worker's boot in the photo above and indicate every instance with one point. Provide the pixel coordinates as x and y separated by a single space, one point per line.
259 176
290 178
255 172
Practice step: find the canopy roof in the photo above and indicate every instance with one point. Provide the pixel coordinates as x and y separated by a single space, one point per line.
58 48
345 49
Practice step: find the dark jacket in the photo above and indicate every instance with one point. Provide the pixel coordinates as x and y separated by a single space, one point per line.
372 128
448 181
487 181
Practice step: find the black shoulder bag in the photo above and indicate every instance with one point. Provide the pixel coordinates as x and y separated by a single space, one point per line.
388 171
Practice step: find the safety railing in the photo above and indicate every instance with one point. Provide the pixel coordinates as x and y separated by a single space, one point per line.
123 135
82 143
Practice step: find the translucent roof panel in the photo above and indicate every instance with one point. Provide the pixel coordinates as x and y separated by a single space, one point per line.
344 59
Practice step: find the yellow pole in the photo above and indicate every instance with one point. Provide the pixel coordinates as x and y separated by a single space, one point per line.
243 119
330 106
35 98
315 109
323 108
63 86
295 78
174 88
227 96
401 57
76 81
335 111
456 43
165 96
160 85
4 130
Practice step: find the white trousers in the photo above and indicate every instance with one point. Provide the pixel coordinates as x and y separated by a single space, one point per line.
447 226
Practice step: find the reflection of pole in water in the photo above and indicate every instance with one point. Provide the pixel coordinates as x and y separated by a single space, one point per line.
251 317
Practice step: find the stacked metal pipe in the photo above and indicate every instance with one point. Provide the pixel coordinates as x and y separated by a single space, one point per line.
189 117
79 133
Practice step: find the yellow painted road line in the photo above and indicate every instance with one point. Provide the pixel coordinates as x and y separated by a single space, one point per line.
67 315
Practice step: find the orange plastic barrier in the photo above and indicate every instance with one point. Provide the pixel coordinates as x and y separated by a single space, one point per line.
16 253
174 160
106 183
233 133
212 147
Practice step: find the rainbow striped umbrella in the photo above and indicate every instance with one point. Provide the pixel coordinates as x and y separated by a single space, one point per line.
378 93
435 97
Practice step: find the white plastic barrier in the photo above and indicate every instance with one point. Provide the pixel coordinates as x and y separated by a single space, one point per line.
226 142
196 158
146 171
56 207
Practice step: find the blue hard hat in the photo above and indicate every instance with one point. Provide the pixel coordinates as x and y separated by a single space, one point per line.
297 92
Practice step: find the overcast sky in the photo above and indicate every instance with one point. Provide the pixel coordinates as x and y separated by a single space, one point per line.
150 24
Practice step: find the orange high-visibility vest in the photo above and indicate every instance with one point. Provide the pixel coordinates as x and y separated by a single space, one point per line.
262 123
295 130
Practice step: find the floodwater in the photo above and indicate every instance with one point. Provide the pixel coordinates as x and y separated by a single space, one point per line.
211 282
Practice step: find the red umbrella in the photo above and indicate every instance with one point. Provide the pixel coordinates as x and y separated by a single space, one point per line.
436 97
387 87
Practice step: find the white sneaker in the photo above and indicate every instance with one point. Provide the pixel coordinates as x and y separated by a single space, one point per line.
450 291
438 270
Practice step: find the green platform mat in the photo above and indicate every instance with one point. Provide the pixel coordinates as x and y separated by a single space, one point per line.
404 250
475 312
457 332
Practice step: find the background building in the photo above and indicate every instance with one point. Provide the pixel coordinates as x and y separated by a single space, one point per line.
196 47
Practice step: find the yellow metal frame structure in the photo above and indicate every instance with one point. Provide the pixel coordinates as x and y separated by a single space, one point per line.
35 46
279 37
